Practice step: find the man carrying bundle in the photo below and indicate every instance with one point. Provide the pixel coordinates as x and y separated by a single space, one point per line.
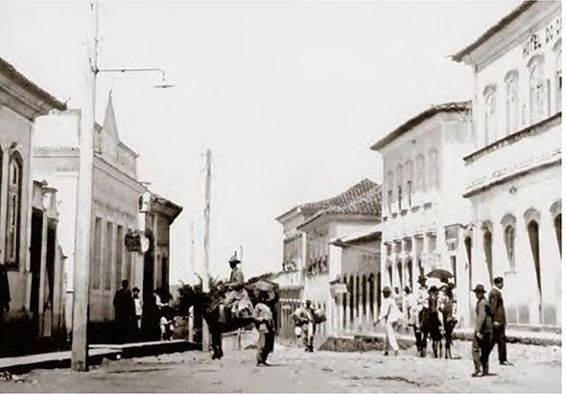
305 319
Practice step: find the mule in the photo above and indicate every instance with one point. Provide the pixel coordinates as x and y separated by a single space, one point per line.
207 305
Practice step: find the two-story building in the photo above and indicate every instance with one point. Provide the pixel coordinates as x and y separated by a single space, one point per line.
513 171
317 264
425 216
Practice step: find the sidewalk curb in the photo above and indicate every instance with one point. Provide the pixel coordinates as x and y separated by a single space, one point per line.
375 341
97 353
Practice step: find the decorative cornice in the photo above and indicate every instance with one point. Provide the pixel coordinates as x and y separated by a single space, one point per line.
510 139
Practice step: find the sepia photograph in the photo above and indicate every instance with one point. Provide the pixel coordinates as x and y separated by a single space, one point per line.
281 196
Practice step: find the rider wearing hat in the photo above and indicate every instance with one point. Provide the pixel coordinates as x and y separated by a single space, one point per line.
236 291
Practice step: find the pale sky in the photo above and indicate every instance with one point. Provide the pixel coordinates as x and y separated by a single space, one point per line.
288 95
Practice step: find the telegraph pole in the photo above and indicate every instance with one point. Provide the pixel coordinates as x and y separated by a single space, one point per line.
205 277
79 353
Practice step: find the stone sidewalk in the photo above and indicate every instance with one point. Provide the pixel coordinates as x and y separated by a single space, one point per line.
96 354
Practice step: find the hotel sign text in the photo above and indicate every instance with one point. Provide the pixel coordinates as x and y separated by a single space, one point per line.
544 37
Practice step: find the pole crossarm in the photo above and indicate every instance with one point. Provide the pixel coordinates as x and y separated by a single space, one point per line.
126 70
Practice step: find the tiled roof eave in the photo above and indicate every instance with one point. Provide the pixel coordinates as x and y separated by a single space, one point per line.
456 106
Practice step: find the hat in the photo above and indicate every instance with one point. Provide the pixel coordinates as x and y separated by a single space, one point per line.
386 289
479 289
433 289
234 259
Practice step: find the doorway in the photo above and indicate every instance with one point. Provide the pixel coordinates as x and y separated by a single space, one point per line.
533 230
35 260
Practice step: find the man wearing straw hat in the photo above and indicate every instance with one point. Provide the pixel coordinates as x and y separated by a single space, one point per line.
481 344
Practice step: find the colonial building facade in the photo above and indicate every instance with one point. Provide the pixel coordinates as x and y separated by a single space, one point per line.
313 263
356 295
513 172
425 215
21 103
117 192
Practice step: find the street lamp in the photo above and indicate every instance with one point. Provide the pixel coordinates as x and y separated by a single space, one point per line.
81 277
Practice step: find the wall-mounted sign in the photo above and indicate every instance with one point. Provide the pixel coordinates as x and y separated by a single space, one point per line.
132 241
549 35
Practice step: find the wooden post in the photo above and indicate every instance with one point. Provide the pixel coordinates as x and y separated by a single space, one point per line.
205 278
79 352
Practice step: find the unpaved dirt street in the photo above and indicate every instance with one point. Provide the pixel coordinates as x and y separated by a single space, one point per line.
536 369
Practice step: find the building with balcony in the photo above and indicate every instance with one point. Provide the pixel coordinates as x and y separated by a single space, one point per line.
513 171
425 217
314 260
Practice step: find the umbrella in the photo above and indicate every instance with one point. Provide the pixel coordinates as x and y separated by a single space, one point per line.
440 273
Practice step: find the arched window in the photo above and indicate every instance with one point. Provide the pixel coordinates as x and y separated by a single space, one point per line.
364 295
421 182
536 89
490 115
468 245
433 169
510 245
14 210
409 182
389 190
509 222
400 186
512 101
488 249
371 295
558 76
556 212
558 230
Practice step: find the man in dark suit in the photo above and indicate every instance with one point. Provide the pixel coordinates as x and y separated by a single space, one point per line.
497 307
481 343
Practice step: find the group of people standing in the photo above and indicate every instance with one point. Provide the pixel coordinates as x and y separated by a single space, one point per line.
129 309
432 313
489 329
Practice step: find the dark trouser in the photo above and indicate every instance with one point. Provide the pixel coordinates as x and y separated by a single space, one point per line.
480 352
418 337
264 346
499 339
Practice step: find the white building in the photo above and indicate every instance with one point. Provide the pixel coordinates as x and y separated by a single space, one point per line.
116 212
28 249
424 215
313 262
514 169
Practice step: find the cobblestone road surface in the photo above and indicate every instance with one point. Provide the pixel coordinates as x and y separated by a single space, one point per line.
536 369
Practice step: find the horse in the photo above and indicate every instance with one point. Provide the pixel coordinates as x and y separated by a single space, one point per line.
449 323
430 325
207 305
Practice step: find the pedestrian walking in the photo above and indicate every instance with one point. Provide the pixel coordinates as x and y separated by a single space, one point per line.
398 298
124 312
304 318
266 329
481 343
389 315
138 306
497 306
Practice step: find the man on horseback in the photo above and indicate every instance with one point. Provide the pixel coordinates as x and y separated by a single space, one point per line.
237 299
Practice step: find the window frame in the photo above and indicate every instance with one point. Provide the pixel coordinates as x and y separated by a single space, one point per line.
14 211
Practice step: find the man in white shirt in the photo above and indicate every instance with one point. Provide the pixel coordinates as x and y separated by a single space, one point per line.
389 315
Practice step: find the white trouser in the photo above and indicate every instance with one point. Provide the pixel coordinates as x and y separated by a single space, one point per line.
391 341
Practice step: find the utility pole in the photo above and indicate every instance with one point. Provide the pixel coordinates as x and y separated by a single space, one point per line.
205 277
241 253
79 352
